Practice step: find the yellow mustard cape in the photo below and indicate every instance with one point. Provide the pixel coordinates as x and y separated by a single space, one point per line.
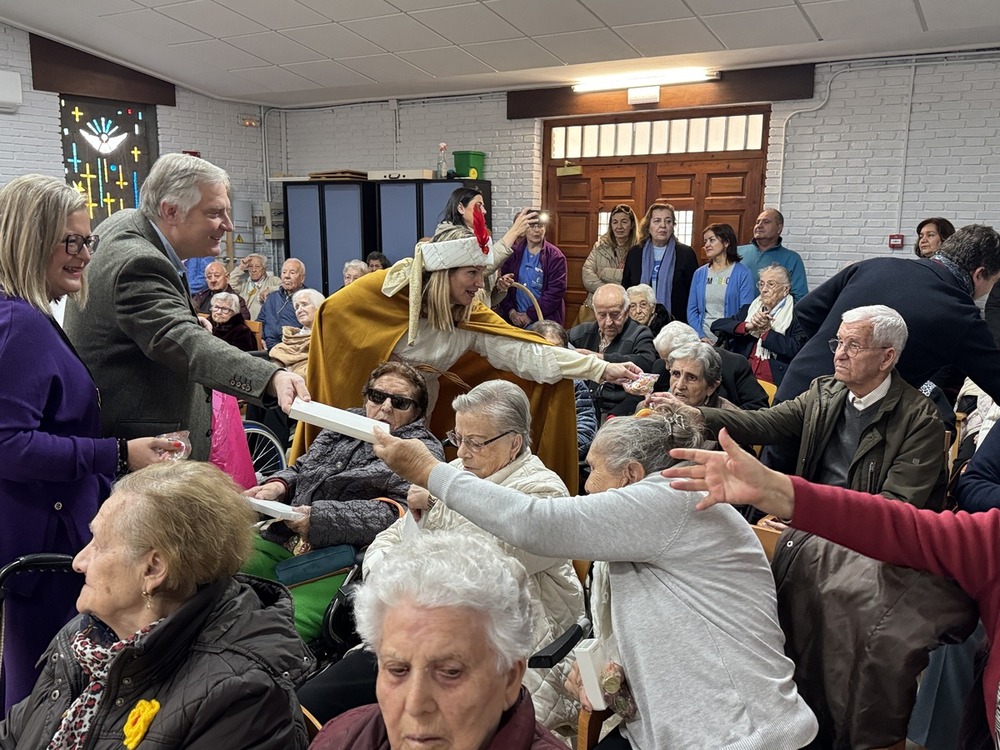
357 328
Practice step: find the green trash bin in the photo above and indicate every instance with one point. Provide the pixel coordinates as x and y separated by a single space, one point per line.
470 164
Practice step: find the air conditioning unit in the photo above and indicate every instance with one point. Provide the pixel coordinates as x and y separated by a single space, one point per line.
10 91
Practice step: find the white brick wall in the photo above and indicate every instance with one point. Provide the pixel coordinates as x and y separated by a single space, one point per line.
844 186
360 136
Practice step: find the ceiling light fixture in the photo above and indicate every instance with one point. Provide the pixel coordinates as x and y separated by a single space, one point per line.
652 78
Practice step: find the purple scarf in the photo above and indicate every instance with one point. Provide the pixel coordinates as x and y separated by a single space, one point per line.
665 276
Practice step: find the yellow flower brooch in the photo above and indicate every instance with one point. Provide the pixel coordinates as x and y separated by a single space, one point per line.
138 722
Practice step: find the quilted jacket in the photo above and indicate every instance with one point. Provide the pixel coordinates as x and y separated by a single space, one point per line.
554 584
223 667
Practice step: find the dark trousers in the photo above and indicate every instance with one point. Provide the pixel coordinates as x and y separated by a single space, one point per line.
346 684
614 741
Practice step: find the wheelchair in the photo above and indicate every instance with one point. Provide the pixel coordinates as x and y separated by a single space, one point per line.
266 451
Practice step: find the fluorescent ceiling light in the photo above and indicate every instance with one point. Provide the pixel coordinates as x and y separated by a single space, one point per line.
651 78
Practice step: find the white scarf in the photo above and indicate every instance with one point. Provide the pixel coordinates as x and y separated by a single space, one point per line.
781 319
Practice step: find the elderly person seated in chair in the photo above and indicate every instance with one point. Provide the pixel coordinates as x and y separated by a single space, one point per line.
493 434
293 350
229 325
169 646
451 623
697 580
217 280
765 331
343 491
645 310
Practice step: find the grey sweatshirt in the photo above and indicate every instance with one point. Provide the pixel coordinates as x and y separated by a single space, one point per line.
693 607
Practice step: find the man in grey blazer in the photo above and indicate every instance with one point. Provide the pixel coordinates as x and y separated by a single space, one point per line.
154 361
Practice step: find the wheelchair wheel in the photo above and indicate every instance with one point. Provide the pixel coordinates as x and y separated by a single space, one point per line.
266 451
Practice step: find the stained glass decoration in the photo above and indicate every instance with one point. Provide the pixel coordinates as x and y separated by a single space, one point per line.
108 149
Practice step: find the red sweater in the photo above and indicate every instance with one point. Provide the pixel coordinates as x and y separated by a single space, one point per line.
961 546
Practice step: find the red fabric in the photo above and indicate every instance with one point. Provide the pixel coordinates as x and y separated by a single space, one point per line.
961 546
363 729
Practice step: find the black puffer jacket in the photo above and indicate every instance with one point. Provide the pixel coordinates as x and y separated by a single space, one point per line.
224 668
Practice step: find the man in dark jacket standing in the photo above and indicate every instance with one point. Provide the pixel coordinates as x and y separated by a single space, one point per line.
614 337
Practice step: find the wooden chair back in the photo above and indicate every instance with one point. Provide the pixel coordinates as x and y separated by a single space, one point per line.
258 331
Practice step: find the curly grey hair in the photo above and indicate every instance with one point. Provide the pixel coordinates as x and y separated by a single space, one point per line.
452 569
672 335
503 402
699 351
647 440
231 301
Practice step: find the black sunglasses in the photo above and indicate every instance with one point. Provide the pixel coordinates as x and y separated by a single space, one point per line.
398 402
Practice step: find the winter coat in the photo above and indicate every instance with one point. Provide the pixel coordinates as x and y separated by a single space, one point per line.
783 346
235 332
339 477
860 631
223 667
634 344
553 583
899 455
685 264
603 265
364 729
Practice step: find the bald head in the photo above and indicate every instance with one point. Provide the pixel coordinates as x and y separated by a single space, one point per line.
216 276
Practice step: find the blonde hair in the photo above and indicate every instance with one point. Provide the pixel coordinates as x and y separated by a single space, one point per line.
644 224
442 313
194 515
33 213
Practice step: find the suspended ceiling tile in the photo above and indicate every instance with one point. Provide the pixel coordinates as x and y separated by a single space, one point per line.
468 24
618 13
284 15
328 73
274 48
218 54
397 33
104 7
683 36
212 18
349 10
749 29
386 69
596 45
150 24
715 7
408 5
446 62
516 54
967 14
838 19
333 40
549 17
273 78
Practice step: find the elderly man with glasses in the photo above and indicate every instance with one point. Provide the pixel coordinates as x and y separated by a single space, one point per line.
864 427
614 337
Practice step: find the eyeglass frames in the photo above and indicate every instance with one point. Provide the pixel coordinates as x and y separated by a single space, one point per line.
398 402
74 243
852 348
473 445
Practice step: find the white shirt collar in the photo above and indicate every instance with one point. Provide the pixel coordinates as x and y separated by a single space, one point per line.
875 396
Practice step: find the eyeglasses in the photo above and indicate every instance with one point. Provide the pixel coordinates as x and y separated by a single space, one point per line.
398 402
222 308
74 243
473 445
770 284
621 208
852 348
640 305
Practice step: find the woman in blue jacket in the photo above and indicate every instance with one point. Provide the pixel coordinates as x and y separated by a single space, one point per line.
720 287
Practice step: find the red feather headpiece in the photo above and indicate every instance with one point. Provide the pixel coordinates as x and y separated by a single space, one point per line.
480 230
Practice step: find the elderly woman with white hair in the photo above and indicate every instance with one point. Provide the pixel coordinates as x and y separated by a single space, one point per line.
354 270
765 331
450 622
229 325
293 349
493 436
697 580
644 309
738 382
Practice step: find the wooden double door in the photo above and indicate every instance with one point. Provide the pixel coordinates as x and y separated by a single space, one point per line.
724 187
